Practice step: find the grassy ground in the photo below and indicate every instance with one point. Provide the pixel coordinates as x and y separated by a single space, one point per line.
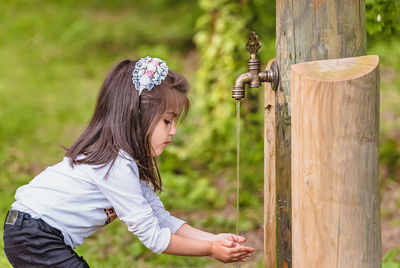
53 59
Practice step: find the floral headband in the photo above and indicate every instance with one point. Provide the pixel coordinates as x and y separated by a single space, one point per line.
149 72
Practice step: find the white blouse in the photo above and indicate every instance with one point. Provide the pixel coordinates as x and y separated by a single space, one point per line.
79 201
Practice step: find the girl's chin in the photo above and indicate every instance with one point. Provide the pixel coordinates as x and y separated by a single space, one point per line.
158 152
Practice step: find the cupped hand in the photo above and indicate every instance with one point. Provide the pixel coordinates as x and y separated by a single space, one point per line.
230 251
230 237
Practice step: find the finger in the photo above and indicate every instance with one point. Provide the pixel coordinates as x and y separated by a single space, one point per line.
243 259
243 249
227 243
234 238
232 259
241 255
240 239
239 259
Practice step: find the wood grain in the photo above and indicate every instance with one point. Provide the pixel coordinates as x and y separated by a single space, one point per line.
269 175
306 30
335 187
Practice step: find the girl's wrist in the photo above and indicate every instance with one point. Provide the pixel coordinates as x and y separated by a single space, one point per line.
188 231
210 248
213 237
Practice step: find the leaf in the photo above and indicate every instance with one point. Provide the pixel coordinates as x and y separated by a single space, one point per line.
390 255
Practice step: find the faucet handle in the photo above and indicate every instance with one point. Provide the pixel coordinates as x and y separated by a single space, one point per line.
253 45
254 77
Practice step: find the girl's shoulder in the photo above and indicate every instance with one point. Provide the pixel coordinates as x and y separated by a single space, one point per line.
120 166
124 158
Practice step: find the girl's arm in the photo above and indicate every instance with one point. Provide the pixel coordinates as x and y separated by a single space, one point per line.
190 232
222 250
178 226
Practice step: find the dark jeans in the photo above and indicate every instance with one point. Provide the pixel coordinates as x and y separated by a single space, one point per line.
32 242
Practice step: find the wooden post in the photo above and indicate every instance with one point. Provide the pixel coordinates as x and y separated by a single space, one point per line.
269 175
335 187
306 30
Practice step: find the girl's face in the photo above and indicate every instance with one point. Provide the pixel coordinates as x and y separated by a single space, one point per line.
162 133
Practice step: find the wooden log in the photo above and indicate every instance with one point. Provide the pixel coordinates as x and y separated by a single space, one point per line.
335 187
306 30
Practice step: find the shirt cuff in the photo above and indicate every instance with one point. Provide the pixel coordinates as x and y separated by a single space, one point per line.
172 223
164 242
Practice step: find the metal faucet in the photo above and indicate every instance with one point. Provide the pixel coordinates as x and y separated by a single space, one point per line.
254 77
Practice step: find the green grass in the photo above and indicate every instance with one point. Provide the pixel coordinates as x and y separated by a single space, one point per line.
53 60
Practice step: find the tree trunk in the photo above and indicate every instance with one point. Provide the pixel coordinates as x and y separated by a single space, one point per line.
306 30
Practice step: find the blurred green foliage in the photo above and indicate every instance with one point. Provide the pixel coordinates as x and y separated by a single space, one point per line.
389 260
382 18
55 54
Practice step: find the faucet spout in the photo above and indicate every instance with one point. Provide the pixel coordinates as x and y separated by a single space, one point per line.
238 90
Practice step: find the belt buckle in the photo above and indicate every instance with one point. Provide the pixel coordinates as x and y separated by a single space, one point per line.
12 217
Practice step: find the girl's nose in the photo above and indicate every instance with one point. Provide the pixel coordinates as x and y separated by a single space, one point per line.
172 131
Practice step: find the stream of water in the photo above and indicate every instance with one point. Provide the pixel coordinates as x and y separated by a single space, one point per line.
237 165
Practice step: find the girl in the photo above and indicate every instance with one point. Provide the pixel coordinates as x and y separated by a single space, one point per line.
111 171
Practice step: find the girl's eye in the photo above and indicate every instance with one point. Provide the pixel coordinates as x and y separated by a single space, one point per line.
167 121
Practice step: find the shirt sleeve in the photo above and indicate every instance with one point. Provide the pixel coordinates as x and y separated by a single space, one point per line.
164 217
123 189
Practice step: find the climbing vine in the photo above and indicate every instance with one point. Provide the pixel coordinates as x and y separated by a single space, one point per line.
222 33
222 56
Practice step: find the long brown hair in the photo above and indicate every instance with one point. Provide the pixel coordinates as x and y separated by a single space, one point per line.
123 120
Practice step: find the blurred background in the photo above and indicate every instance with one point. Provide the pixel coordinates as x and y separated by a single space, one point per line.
54 56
